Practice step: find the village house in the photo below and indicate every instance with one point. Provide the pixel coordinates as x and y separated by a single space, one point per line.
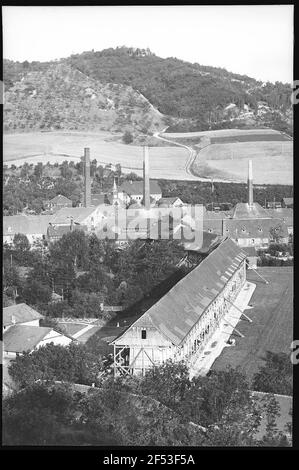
58 202
89 217
130 191
25 338
20 314
34 227
249 224
170 202
55 232
180 324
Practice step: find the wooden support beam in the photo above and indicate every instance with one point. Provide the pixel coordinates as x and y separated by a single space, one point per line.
132 363
265 280
235 329
249 319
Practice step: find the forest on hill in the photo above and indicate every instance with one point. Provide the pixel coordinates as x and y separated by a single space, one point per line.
187 94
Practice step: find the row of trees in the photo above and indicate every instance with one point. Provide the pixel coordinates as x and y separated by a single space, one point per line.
152 410
87 271
205 193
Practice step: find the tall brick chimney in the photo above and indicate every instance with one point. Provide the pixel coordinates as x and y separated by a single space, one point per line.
87 186
146 180
250 184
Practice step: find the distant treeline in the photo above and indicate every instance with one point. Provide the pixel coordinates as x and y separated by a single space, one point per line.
201 192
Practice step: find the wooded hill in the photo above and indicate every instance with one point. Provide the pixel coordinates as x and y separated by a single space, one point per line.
189 95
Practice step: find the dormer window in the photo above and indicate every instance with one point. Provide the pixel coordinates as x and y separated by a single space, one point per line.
143 334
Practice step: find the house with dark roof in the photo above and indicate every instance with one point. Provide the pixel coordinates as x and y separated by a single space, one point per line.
286 215
130 191
180 324
58 202
55 232
20 314
24 338
247 227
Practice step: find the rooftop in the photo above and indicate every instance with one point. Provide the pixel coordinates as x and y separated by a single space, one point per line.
168 200
252 228
28 225
180 309
79 214
20 338
60 199
242 210
19 313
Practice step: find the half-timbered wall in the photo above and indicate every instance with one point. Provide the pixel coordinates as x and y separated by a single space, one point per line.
135 352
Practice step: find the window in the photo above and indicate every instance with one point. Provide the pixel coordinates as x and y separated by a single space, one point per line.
143 334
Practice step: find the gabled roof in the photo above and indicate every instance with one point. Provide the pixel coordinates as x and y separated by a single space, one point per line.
79 214
28 225
175 314
60 199
168 200
136 187
19 313
242 210
20 338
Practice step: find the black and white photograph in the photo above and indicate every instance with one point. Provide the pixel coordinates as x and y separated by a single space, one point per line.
147 187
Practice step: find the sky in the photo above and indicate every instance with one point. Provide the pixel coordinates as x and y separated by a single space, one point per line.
254 40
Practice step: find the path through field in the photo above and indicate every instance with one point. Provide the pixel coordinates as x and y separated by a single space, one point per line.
165 162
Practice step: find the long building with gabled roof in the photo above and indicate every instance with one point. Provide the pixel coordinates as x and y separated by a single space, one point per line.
179 325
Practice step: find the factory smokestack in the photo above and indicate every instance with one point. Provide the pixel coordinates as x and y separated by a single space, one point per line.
146 180
250 184
87 186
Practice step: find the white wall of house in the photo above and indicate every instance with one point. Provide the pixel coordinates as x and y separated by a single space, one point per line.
56 338
258 242
143 352
30 323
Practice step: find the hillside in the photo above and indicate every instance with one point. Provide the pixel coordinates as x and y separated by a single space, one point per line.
63 98
190 96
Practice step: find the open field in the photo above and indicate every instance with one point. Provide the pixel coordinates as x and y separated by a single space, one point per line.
272 161
165 162
272 322
221 133
241 150
250 138
223 154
